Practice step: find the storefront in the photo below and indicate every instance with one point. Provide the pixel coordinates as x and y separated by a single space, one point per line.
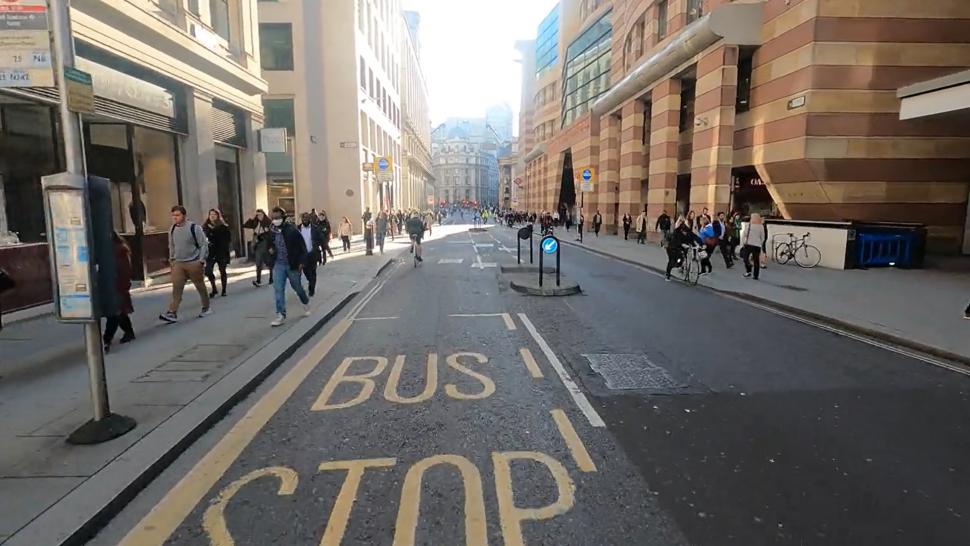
132 139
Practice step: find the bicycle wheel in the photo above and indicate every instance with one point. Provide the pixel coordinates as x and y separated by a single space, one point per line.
808 256
783 253
693 273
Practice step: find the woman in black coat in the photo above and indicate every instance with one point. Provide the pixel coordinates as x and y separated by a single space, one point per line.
220 239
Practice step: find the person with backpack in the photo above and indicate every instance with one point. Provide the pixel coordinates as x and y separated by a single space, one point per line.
187 248
289 254
220 239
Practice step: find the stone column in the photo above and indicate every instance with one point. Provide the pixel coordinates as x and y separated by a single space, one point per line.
664 142
252 170
609 175
199 189
631 158
716 95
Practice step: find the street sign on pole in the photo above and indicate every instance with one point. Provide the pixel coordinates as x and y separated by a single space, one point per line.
384 167
587 178
25 49
80 90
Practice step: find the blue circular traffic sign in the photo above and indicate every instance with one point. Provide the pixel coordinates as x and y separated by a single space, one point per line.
383 164
550 245
587 175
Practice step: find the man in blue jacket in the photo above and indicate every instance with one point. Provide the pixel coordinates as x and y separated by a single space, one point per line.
288 253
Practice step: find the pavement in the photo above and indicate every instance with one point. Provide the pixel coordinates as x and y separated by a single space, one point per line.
917 308
441 408
157 379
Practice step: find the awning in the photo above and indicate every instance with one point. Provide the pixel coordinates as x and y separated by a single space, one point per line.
736 24
949 93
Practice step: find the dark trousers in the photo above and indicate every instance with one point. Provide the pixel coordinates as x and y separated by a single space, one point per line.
967 312
210 274
706 262
326 250
111 325
642 237
674 255
726 252
310 272
596 229
752 258
626 233
259 270
346 241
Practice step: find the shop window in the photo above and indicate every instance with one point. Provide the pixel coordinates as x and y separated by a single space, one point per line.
745 68
155 165
279 113
27 152
276 46
219 14
661 20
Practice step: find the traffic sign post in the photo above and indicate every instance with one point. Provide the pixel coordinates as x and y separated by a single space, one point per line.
25 47
549 245
587 180
384 167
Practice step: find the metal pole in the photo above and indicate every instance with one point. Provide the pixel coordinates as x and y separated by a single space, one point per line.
540 269
518 250
582 210
63 56
530 248
558 250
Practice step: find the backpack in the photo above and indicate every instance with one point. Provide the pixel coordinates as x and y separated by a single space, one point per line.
192 231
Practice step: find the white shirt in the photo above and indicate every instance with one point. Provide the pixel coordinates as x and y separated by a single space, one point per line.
307 232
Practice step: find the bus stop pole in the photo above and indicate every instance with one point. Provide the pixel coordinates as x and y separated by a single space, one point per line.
63 56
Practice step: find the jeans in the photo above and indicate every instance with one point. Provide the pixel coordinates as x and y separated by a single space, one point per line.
706 266
752 258
346 241
281 274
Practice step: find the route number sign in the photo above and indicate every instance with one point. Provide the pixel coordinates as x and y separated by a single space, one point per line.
25 49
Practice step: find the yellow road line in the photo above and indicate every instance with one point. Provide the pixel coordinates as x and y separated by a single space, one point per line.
171 511
530 363
573 441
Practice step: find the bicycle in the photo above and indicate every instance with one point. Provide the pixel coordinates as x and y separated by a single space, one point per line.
690 264
805 255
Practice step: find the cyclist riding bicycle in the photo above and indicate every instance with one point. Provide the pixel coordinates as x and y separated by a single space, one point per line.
415 228
680 239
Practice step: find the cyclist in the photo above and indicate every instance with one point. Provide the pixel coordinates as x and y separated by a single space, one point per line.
681 239
415 229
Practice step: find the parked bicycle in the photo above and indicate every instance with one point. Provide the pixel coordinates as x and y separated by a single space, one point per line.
690 265
805 255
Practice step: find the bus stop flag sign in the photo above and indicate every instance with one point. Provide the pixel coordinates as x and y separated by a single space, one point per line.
588 177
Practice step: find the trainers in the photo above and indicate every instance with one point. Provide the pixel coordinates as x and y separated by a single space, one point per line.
168 317
419 258
966 316
280 319
747 275
307 310
205 312
257 284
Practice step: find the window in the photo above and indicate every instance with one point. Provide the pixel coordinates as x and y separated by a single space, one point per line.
276 46
745 67
279 113
547 41
587 72
363 74
193 7
361 17
686 104
695 9
661 20
219 14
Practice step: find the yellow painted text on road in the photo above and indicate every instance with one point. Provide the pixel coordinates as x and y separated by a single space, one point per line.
340 514
214 519
476 533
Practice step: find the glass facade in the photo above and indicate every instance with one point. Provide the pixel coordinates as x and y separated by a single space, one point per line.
587 72
547 41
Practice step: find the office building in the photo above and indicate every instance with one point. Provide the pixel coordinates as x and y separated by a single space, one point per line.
465 155
794 108
176 120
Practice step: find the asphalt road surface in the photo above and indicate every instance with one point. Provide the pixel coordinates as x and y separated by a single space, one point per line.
443 408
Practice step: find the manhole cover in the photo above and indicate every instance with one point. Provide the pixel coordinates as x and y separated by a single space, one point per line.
624 372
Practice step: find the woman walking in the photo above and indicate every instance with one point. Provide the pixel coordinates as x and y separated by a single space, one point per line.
217 232
123 289
326 231
753 239
381 230
345 230
260 225
642 228
627 222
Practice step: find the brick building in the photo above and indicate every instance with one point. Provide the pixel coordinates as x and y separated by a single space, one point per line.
787 107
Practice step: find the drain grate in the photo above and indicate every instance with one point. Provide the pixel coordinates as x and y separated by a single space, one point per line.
631 371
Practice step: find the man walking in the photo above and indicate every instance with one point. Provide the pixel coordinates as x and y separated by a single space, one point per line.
289 254
597 223
187 253
721 230
313 240
663 225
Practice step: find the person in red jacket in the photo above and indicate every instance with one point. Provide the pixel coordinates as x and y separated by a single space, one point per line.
122 287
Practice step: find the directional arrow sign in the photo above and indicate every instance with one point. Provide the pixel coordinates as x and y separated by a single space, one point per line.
550 245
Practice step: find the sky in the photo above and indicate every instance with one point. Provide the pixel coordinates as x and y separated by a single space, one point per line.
468 52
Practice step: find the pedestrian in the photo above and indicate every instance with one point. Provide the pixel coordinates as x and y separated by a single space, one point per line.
568 220
597 223
734 224
345 230
260 225
366 216
709 239
722 231
220 239
681 238
381 230
753 238
663 226
289 253
313 240
392 225
187 247
326 233
627 222
642 228
692 221
123 290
